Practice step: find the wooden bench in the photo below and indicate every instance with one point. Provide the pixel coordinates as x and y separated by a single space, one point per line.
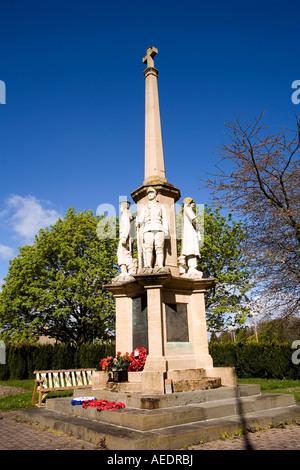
49 380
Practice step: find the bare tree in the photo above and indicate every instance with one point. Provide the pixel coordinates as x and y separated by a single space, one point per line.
263 186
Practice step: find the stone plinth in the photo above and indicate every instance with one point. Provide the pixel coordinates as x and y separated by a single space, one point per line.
146 383
174 331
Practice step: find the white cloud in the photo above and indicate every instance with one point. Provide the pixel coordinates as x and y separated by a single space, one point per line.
6 252
27 215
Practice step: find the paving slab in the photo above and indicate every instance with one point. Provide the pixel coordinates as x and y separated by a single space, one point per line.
19 435
22 436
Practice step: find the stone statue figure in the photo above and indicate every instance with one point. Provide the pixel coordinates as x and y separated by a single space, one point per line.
125 247
190 238
154 224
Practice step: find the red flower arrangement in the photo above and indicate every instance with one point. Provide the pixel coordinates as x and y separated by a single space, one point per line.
103 405
116 363
133 362
107 363
138 356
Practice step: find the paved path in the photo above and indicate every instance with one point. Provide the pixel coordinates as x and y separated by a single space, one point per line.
287 438
16 435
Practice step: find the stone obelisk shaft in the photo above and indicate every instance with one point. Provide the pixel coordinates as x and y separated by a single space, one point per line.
154 155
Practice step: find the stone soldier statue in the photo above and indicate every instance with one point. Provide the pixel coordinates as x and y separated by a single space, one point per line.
154 223
190 236
125 246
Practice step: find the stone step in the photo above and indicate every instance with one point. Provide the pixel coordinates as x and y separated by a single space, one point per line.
204 383
174 437
135 376
186 374
178 385
124 387
137 400
145 419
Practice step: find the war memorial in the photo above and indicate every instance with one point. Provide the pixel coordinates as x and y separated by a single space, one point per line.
178 397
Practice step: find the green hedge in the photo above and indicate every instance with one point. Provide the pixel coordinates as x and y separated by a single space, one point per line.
21 361
257 360
270 360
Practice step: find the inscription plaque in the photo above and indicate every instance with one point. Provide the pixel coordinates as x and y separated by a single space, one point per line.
140 322
177 323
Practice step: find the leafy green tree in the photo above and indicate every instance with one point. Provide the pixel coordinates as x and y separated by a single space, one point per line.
214 338
55 286
222 259
279 329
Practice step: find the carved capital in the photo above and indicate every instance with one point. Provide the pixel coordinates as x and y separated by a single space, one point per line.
150 71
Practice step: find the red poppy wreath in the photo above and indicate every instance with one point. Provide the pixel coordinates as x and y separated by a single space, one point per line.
138 359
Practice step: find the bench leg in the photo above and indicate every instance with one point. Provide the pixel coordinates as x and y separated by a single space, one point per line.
42 396
34 392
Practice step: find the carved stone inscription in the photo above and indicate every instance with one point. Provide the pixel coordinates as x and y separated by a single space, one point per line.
139 322
177 323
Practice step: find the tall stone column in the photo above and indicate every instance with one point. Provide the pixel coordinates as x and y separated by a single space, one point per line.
154 156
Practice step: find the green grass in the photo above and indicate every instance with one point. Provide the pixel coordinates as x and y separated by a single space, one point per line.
24 400
276 386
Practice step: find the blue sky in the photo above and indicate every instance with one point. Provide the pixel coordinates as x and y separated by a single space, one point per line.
72 128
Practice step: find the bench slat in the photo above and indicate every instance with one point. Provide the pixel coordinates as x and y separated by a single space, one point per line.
45 381
89 376
63 370
55 379
62 379
50 380
79 378
68 382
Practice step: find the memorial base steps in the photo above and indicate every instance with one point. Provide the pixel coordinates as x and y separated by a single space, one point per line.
162 422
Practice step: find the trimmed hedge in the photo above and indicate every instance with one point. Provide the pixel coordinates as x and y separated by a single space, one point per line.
270 360
251 360
22 360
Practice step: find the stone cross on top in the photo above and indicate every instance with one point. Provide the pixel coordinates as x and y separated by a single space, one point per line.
149 58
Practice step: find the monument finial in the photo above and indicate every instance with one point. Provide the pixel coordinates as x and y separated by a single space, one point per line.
149 58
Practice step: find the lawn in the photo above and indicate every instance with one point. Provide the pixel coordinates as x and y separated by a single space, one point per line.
276 385
23 400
